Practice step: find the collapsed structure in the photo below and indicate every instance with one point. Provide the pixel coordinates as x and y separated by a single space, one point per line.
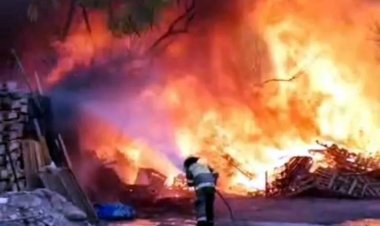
342 173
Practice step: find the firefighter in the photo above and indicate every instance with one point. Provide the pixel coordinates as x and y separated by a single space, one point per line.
203 178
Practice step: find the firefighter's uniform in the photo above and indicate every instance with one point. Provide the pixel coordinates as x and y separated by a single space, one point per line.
203 179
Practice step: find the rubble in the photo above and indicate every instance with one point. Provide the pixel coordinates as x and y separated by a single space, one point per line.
39 207
343 174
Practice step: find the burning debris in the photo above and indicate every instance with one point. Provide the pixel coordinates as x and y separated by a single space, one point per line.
341 173
151 187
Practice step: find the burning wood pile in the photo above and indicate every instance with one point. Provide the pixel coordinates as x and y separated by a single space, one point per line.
150 187
346 174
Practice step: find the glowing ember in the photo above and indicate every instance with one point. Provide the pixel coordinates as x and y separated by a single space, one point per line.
209 86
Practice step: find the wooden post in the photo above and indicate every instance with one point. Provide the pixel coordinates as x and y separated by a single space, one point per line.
38 82
63 146
26 80
45 150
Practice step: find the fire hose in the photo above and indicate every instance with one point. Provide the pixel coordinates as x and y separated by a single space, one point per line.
232 217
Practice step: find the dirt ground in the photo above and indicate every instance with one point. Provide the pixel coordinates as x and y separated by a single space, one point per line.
268 212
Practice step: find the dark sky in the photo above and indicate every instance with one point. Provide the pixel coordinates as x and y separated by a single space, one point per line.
12 20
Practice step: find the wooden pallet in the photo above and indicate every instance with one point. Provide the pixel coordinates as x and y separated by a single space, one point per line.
347 184
291 178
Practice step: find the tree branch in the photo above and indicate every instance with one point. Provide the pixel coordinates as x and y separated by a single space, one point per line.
69 20
86 18
173 28
70 17
280 79
297 75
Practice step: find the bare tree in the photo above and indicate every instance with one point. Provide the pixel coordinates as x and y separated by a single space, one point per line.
179 25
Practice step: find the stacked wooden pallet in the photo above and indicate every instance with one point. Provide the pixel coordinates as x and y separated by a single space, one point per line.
347 174
13 119
292 178
347 184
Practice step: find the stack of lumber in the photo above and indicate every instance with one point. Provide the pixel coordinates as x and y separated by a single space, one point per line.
21 157
13 119
344 174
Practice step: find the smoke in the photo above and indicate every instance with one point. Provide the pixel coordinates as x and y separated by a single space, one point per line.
150 101
120 87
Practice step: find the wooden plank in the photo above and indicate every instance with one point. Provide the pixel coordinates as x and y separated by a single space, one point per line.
14 167
332 180
11 104
76 193
38 82
46 158
63 146
10 135
352 187
12 126
9 86
13 145
64 182
31 151
13 95
52 182
8 115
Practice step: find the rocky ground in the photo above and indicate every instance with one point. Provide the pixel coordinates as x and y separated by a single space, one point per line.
39 208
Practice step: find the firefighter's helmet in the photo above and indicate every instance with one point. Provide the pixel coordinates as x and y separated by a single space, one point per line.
189 161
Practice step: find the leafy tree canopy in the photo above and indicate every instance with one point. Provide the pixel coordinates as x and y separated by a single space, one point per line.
125 17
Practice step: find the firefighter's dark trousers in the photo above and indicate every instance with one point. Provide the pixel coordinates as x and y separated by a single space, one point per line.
204 206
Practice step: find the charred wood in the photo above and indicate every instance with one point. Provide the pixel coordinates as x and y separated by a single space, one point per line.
348 175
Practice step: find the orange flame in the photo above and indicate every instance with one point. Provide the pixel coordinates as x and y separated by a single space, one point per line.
212 86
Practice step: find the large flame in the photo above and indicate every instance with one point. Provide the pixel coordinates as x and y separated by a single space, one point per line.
259 83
